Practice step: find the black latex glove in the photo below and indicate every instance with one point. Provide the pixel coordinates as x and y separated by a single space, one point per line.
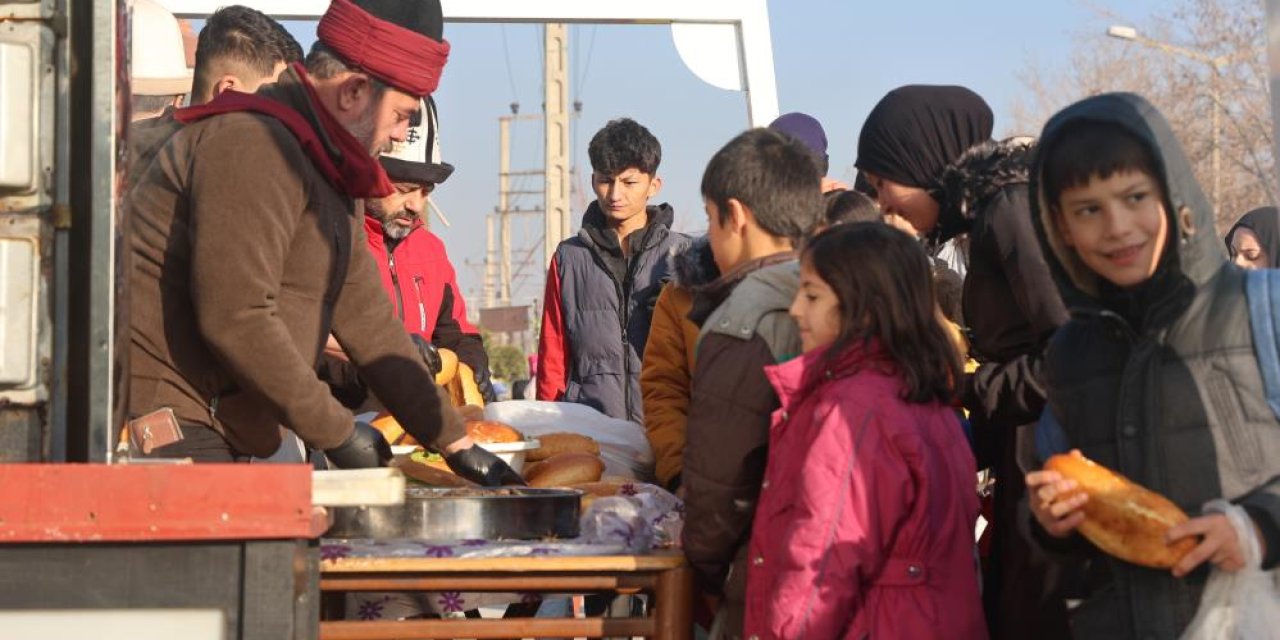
483 468
485 387
365 448
429 354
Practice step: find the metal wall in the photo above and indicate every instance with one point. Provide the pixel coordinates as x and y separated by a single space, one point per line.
30 42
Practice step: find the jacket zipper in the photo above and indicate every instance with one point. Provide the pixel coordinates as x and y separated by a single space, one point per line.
422 309
395 285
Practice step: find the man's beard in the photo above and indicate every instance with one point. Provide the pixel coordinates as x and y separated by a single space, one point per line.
389 228
363 131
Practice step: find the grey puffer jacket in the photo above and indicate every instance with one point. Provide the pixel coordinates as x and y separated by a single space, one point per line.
603 304
1160 383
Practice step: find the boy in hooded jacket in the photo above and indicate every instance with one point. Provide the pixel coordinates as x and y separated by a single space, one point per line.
762 194
1156 374
602 284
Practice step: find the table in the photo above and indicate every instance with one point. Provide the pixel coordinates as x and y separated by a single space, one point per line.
663 575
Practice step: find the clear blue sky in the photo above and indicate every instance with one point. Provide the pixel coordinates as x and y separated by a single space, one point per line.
833 59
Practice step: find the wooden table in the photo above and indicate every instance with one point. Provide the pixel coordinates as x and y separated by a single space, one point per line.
665 576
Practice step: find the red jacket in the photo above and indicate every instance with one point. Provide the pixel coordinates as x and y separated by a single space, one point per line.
865 522
417 285
423 287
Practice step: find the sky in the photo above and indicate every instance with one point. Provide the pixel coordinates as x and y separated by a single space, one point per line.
833 59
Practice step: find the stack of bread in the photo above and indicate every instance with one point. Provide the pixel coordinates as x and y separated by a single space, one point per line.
564 460
571 461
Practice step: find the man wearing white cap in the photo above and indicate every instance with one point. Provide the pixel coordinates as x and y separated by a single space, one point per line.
159 77
416 272
247 254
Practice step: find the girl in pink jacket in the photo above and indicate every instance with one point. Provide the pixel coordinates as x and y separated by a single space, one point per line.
865 523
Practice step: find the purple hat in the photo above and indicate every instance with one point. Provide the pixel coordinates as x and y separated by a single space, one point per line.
806 129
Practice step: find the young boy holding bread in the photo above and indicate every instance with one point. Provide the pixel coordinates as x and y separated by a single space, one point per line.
1155 376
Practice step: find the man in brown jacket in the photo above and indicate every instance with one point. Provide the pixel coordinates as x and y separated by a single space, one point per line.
246 254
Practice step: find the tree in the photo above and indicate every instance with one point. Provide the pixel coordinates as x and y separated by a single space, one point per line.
1233 31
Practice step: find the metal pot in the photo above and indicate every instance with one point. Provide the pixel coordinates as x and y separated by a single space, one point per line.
429 513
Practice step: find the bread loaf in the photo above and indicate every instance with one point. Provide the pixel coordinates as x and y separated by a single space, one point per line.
562 442
603 488
564 470
490 432
1121 518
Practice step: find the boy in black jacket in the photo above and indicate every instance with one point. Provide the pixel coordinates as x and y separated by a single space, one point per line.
1155 375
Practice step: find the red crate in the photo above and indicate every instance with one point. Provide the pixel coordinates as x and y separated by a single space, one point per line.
117 503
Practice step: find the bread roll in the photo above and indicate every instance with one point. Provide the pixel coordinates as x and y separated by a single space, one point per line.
490 432
604 488
1121 518
564 470
556 443
429 472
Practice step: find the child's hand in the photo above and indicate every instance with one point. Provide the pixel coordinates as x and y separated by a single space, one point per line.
1220 545
1055 502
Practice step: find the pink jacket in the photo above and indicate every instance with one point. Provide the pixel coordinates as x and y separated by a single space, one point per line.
865 522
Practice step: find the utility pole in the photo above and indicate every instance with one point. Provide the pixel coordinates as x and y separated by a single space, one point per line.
504 185
490 264
556 108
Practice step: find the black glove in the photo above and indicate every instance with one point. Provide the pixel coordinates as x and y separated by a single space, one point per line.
484 386
363 449
482 467
429 354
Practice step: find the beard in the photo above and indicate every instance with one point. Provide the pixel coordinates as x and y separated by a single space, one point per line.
363 130
388 218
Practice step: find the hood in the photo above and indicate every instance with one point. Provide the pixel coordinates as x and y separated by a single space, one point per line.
978 174
695 266
595 228
1195 253
1264 222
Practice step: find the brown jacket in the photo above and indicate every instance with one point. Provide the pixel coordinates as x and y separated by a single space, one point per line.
244 258
666 380
728 429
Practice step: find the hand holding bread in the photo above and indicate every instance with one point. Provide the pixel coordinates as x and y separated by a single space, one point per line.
1118 516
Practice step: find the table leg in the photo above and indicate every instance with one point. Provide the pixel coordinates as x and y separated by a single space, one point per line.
673 604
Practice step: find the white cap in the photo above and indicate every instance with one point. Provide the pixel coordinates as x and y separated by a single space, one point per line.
157 57
417 159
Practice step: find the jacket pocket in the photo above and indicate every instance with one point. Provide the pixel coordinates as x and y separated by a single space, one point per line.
1240 435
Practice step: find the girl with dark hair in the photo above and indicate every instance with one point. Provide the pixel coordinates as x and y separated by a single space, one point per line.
864 525
927 152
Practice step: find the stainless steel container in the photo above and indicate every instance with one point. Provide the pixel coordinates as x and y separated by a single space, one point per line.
428 513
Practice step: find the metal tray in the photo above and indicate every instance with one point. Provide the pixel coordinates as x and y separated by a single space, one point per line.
429 513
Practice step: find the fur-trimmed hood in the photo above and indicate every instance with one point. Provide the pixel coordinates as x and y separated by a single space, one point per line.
977 175
695 265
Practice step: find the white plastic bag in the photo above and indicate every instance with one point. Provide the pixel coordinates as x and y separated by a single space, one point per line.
623 444
1241 605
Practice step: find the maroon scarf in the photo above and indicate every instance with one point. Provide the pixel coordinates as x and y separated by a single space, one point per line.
353 172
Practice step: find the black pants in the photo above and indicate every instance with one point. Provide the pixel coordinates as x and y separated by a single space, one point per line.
201 444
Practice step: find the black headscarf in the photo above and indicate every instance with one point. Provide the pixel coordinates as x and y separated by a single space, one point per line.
1264 222
916 131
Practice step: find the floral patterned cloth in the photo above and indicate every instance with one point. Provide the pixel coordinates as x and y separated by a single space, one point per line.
640 518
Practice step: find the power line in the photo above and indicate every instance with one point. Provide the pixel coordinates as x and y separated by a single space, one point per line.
511 77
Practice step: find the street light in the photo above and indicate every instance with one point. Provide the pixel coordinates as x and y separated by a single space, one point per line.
1216 64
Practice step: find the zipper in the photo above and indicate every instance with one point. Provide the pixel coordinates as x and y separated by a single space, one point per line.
395 285
422 309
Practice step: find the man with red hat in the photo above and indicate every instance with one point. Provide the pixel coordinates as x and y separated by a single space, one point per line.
247 253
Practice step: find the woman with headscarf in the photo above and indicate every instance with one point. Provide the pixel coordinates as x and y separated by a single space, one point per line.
1254 240
927 152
